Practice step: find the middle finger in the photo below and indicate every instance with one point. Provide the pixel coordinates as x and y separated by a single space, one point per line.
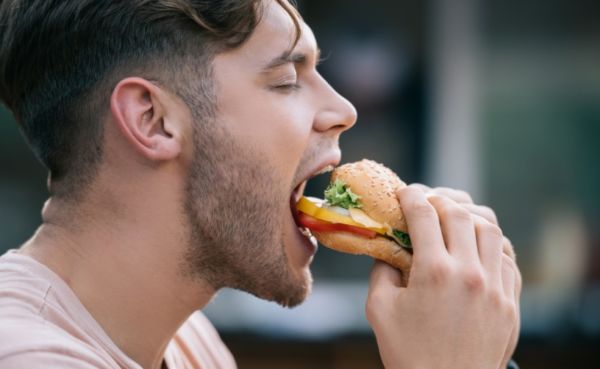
457 227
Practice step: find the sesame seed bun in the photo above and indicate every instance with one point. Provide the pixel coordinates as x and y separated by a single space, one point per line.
377 186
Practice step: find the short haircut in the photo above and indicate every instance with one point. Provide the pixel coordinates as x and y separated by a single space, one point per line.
60 60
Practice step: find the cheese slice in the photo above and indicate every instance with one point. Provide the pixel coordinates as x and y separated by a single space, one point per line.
317 208
361 217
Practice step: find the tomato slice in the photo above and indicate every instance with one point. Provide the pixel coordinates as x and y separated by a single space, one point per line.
321 226
316 209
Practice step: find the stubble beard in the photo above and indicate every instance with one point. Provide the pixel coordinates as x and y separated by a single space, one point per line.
233 205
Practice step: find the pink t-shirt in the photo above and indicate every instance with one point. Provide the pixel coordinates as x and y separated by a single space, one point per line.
44 325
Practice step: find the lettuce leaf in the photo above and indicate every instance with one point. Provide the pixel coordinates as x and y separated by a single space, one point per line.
403 238
338 194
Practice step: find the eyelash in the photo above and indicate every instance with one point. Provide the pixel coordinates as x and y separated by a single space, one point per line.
288 87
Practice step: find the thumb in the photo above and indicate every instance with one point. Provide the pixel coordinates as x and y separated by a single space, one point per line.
384 285
384 275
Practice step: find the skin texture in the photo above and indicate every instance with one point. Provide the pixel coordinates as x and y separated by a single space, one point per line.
177 211
289 132
461 303
172 216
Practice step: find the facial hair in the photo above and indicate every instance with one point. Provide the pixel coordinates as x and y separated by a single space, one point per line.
233 206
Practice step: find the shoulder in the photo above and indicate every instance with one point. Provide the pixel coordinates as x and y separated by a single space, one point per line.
39 322
198 324
35 344
198 340
47 360
200 330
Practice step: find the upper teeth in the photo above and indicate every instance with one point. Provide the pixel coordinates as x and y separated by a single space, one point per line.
328 168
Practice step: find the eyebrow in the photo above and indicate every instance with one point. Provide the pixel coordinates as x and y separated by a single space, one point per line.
290 57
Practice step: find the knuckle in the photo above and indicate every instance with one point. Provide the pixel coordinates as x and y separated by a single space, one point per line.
421 209
490 230
519 280
473 280
413 188
507 249
484 212
439 191
464 196
496 299
509 310
421 187
454 194
489 213
439 272
452 211
408 195
509 263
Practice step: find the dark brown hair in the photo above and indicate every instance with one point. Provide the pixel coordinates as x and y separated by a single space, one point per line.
60 60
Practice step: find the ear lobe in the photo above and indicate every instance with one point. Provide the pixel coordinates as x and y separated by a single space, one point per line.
139 109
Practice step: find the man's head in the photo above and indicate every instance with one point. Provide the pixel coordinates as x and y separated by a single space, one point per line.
61 59
226 90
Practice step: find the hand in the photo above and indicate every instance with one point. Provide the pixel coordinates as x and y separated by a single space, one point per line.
483 213
460 306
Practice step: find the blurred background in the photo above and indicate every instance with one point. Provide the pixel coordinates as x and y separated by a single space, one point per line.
500 98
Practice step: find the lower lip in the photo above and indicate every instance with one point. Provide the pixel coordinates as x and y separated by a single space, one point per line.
310 243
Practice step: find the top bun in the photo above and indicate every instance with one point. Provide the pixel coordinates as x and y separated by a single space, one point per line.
377 186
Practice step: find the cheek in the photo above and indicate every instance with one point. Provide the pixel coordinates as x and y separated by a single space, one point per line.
278 126
288 137
288 131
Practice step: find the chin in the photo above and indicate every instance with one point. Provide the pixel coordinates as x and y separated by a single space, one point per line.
296 296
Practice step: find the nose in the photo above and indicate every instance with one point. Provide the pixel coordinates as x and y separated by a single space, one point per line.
335 113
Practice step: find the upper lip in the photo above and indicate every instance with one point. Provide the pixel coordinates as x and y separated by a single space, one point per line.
331 160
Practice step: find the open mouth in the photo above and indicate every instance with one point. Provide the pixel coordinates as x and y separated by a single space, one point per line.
294 198
297 194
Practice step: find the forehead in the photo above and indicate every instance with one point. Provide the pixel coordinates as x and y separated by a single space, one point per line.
278 19
275 34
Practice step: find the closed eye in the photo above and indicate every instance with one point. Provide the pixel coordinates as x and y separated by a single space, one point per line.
287 87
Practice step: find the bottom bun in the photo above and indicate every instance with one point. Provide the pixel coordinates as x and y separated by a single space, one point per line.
379 247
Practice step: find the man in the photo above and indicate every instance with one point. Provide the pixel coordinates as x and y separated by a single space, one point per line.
176 133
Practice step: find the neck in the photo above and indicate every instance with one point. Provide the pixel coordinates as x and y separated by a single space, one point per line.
125 269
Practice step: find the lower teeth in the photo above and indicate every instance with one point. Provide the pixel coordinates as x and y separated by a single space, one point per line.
305 231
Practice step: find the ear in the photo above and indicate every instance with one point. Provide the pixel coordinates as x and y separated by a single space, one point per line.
141 109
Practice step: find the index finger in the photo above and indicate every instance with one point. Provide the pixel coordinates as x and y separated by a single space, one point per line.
423 224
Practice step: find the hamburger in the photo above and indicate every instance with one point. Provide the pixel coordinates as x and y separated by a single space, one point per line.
360 214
